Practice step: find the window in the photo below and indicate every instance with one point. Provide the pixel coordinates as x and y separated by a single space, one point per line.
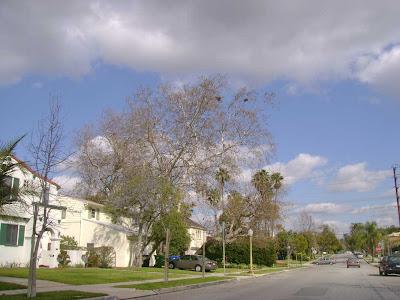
12 234
13 183
48 246
198 234
63 214
93 213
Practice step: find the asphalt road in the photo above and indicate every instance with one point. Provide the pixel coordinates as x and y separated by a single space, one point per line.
316 282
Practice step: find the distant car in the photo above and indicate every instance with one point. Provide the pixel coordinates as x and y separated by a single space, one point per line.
358 255
192 262
353 262
325 261
389 265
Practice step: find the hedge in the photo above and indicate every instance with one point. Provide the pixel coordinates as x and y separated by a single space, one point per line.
238 252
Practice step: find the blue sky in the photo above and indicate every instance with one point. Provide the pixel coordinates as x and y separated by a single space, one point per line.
333 66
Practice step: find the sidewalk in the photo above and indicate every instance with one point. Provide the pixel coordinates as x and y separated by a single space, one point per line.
120 293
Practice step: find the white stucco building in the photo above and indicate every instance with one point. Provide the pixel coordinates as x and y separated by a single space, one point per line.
197 235
91 226
16 221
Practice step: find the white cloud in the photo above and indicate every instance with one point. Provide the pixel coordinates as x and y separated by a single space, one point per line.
357 178
67 183
297 41
376 210
302 167
37 85
381 71
325 208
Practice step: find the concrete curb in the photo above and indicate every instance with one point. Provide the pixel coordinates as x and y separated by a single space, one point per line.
192 286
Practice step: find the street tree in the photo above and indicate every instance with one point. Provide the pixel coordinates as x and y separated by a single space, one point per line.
180 238
46 148
181 133
239 212
141 201
371 236
327 240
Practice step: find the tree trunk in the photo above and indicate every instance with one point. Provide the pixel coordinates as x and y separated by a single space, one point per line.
138 250
33 260
166 261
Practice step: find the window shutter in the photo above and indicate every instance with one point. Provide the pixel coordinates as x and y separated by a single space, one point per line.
89 212
97 214
3 234
21 235
16 184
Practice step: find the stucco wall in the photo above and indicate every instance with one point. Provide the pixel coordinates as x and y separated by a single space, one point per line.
198 237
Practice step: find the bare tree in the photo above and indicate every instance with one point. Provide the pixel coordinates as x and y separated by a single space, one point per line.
46 148
180 135
305 222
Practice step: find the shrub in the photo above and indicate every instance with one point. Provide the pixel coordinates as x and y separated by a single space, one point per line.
160 259
101 257
63 258
106 257
68 243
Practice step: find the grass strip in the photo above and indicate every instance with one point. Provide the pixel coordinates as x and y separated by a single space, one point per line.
11 286
172 283
59 295
276 270
89 275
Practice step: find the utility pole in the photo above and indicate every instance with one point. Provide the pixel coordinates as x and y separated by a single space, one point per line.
223 246
397 192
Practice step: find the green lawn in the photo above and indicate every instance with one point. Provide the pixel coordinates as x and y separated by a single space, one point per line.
94 276
11 286
60 295
172 283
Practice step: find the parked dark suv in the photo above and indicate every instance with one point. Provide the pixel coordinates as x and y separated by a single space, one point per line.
389 264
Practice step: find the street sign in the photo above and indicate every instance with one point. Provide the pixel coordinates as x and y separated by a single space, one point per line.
378 249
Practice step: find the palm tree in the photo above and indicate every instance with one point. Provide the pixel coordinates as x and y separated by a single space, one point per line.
372 235
213 197
262 182
277 179
7 166
222 176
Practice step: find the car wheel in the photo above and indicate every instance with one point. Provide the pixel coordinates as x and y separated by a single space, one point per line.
386 273
359 266
197 268
317 263
347 267
331 263
171 266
